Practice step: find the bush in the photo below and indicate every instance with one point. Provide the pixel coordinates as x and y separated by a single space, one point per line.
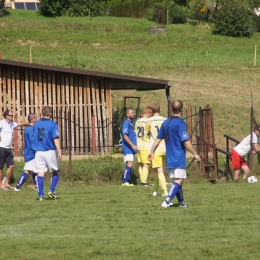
177 13
3 11
234 19
54 8
199 10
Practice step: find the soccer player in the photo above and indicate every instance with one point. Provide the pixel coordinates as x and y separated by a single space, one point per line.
143 146
128 145
7 127
28 154
46 145
241 150
173 131
152 127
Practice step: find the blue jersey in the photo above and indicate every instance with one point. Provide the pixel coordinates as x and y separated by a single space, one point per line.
128 129
174 132
28 152
44 133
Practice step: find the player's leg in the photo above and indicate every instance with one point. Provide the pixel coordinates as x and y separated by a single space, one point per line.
34 178
51 158
22 179
40 168
9 160
246 171
146 165
140 168
180 198
236 161
2 162
129 161
178 175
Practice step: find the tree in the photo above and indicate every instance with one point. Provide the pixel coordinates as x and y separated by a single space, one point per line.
2 8
234 18
53 8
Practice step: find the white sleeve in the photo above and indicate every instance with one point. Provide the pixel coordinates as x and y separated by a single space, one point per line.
254 138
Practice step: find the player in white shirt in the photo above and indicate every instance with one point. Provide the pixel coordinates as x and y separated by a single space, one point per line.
143 144
241 150
7 127
152 127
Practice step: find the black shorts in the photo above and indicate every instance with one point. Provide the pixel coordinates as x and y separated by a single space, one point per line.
6 157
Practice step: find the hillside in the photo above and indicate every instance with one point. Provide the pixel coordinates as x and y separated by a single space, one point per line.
204 68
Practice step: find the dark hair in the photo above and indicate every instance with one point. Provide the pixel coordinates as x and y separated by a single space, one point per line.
177 107
257 127
6 113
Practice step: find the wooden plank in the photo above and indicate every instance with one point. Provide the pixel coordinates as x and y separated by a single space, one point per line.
89 113
22 88
4 93
109 111
94 110
63 109
1 85
67 96
36 90
77 117
58 93
45 89
72 114
54 92
40 94
81 115
49 89
103 115
85 111
31 93
26 82
8 88
99 118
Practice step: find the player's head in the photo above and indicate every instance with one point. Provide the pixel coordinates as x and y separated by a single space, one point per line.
148 111
32 118
257 130
177 107
156 108
47 111
8 114
130 114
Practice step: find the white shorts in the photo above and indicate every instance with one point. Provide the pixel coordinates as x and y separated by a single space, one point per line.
29 166
178 173
45 160
129 158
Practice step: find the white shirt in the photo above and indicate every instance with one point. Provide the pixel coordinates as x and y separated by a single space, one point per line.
243 148
6 133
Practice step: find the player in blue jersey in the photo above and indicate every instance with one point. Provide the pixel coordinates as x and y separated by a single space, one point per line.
129 145
46 145
28 154
173 131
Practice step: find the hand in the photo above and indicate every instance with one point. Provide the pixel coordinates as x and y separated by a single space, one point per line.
150 157
253 152
197 157
59 156
135 147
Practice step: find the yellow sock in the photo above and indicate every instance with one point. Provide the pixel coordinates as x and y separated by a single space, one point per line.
156 182
162 182
145 175
141 173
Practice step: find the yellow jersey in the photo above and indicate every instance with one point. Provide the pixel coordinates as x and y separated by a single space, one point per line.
152 128
143 143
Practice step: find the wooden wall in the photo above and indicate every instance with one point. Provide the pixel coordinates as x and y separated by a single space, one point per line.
88 98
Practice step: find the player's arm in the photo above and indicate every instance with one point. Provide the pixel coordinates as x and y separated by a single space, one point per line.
126 138
22 124
57 145
256 148
154 146
189 146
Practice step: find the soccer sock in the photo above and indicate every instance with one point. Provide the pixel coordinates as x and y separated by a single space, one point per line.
22 179
172 192
145 174
127 174
180 196
34 177
156 182
141 173
162 182
54 181
40 183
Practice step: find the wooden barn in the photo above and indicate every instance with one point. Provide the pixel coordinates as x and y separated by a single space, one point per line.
81 101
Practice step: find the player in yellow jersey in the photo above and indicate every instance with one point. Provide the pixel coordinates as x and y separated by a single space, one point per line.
143 146
152 128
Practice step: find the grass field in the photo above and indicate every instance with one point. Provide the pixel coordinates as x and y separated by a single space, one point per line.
114 222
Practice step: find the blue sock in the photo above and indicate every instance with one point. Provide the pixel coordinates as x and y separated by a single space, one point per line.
22 180
127 174
40 183
172 192
34 177
180 196
54 181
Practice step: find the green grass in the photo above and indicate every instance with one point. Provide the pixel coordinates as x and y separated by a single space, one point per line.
114 222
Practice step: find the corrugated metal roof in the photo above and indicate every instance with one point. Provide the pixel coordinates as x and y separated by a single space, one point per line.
118 81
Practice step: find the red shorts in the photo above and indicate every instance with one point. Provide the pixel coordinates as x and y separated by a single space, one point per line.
237 160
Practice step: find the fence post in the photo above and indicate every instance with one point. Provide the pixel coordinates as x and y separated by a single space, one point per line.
15 138
190 122
1 54
94 144
69 139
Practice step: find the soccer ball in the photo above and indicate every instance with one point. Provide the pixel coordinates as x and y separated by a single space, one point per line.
251 179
